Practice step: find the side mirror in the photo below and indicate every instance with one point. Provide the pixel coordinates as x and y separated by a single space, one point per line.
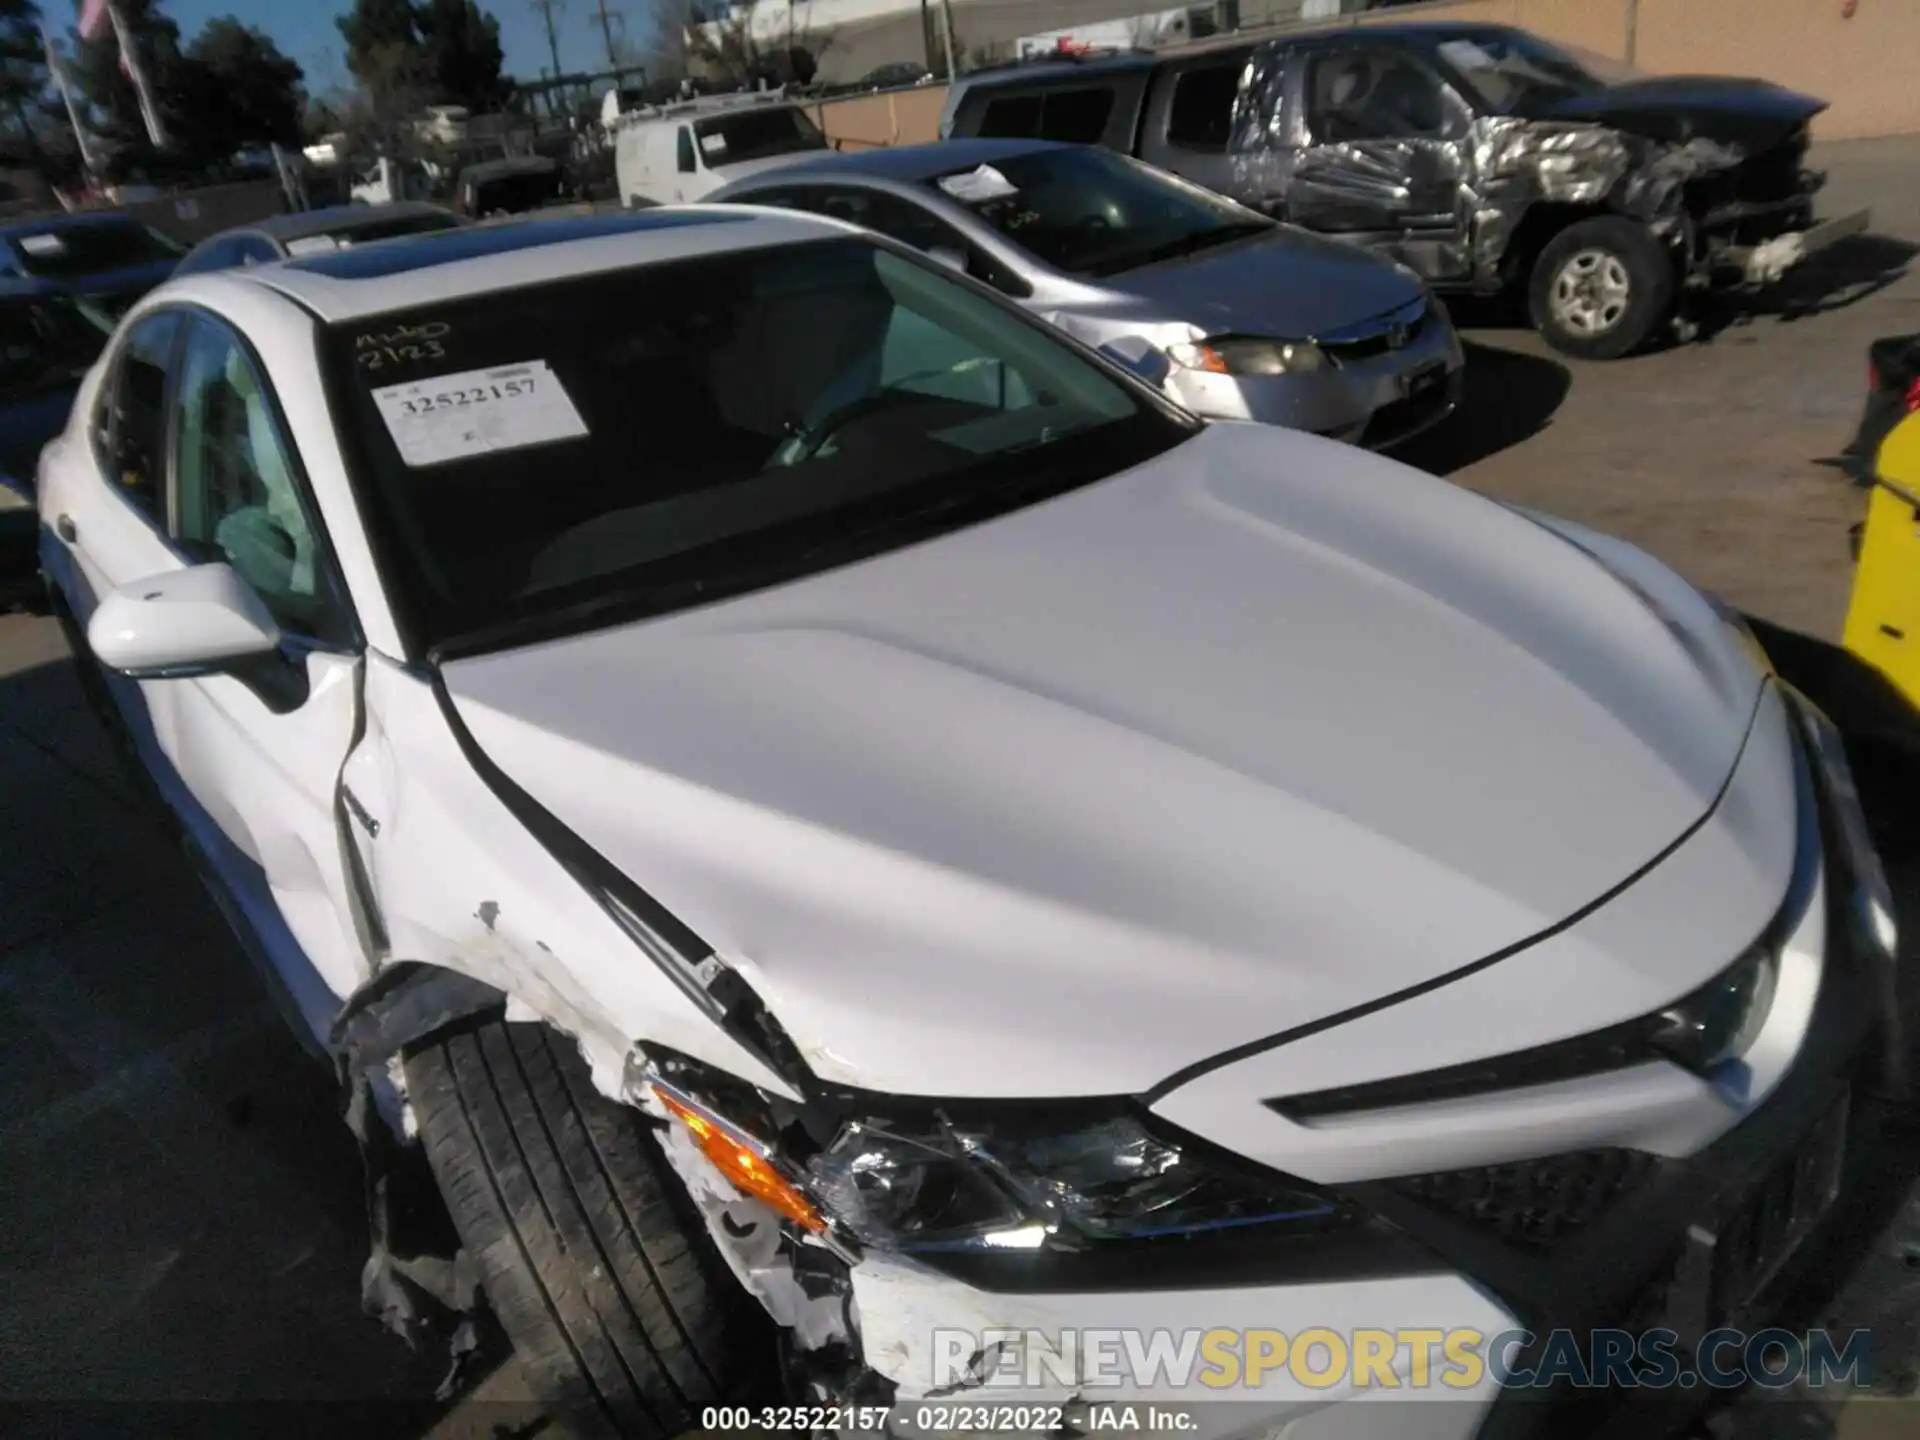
955 260
187 622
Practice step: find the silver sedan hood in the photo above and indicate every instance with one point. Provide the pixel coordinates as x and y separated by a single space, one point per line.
1286 285
1252 734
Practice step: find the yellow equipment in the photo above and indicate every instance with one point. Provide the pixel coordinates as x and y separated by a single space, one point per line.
1883 616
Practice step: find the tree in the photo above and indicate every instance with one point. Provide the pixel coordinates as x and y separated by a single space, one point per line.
322 118
373 30
463 55
737 47
23 77
241 90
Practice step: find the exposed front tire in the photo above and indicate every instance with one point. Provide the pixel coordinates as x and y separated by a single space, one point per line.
623 1313
1601 288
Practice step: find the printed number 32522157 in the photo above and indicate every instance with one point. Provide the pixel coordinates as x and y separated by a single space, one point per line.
471 395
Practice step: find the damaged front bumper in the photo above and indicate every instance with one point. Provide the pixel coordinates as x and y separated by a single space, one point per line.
1769 260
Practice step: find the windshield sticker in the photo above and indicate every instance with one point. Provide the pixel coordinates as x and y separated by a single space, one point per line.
1465 55
712 145
312 245
976 187
476 412
43 245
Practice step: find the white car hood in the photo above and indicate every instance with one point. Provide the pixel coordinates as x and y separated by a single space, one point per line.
1240 739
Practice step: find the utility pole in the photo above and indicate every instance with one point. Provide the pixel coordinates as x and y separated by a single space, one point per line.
946 34
606 29
926 34
550 13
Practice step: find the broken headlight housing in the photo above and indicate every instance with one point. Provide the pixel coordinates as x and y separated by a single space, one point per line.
1015 1183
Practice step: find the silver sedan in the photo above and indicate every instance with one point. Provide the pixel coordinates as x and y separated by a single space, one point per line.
1236 316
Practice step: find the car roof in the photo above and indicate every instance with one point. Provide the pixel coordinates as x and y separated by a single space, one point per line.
1028 71
480 259
71 220
908 163
331 220
1420 32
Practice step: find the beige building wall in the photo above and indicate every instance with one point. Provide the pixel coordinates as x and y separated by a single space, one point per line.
899 117
1867 65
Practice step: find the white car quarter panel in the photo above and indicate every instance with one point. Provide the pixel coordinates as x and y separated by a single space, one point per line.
1692 914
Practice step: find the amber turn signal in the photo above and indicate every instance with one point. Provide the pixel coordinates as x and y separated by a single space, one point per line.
744 1163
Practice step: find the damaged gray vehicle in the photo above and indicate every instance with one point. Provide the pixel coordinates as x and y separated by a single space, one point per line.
1487 159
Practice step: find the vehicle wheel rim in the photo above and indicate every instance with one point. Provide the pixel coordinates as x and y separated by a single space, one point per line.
1590 292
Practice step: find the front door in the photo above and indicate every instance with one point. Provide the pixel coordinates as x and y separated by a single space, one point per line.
1382 156
195 466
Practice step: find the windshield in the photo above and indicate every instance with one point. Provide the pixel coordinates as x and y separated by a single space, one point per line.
47 341
658 436
73 251
1509 69
1088 211
755 135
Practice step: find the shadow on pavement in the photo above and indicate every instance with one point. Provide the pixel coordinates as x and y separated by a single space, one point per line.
1508 397
1831 279
183 1207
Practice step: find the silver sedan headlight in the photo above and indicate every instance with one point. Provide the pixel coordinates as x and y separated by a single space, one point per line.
1239 355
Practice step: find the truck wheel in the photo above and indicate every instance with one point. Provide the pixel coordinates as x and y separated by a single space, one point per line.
623 1312
1601 288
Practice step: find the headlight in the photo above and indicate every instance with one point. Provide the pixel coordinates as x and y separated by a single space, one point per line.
1719 1021
1230 355
1063 1176
966 1185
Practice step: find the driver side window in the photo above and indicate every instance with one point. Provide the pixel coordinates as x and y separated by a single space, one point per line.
237 495
1373 95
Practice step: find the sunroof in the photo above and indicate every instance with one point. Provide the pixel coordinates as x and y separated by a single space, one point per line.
419 252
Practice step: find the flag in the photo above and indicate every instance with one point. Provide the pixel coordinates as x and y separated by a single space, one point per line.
93 19
59 74
136 72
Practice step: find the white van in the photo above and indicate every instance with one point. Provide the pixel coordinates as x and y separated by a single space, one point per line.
684 153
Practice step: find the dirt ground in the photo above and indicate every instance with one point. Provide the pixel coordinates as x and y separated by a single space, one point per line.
180 1218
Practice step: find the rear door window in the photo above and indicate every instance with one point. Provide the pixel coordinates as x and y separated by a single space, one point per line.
1011 117
1201 114
1078 117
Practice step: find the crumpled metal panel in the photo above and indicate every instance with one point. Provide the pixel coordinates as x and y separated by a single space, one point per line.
1492 177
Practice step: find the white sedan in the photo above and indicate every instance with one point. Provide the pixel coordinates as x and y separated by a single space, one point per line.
801 785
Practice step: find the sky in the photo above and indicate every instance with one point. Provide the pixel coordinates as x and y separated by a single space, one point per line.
305 30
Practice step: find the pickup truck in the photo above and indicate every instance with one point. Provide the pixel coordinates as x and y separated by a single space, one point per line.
1482 156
